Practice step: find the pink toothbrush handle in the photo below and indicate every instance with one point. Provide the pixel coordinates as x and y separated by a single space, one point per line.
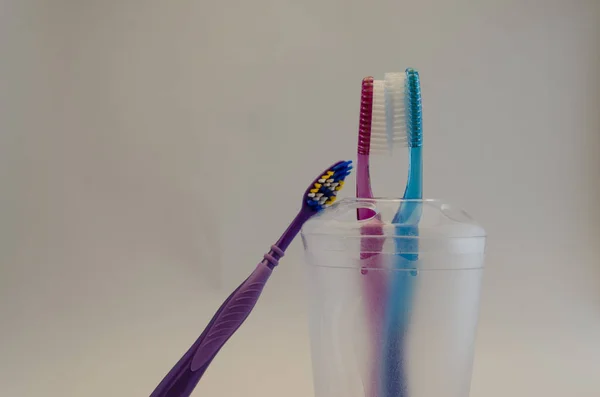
232 316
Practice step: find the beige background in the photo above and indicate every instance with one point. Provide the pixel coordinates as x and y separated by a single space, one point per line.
151 151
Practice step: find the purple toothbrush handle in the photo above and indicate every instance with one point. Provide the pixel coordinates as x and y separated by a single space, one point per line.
233 315
180 377
185 375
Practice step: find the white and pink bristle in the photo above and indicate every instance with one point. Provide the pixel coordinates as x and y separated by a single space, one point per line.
364 121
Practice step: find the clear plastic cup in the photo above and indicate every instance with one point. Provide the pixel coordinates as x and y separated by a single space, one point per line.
393 306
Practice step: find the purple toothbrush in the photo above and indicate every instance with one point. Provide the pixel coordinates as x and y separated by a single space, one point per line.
184 376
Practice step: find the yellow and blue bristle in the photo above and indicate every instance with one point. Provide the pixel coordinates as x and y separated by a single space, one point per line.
323 192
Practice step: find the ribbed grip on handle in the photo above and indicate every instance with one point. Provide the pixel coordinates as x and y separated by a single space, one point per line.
233 315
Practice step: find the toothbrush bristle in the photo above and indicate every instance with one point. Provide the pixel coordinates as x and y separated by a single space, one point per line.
323 191
396 132
390 113
380 143
414 119
366 112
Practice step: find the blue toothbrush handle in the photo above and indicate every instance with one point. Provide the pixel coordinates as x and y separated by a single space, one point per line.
403 280
398 313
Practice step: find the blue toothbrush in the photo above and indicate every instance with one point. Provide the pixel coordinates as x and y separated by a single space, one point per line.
403 104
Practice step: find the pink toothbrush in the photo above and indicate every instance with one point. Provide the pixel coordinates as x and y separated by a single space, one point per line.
184 376
372 111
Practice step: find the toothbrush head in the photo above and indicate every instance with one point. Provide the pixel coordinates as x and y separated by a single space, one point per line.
323 191
414 114
366 111
404 119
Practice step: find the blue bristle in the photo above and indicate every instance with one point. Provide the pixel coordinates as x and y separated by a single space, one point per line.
341 176
414 116
344 164
341 173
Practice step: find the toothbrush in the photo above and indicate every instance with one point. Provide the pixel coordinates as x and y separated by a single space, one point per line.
371 140
403 93
184 376
363 177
